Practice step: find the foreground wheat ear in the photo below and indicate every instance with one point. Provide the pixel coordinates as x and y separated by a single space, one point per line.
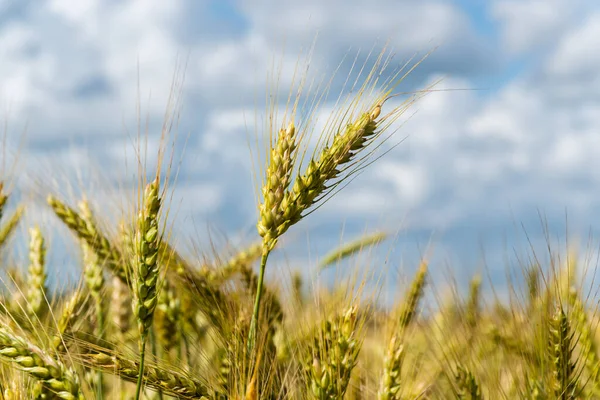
146 273
286 199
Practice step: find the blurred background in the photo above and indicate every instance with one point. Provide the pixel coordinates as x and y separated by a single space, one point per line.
480 175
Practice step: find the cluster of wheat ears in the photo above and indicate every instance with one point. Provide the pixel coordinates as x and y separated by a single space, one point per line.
147 321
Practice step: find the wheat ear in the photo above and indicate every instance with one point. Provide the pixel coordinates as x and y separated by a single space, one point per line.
473 308
389 387
146 272
86 231
72 309
3 199
561 353
352 248
167 321
589 348
468 388
94 279
168 380
338 346
35 362
11 224
36 285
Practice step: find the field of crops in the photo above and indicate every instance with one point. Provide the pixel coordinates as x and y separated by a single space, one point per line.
148 320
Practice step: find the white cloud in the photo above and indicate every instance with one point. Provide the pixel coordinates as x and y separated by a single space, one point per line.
529 24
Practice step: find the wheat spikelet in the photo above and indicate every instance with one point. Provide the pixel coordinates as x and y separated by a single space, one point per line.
589 348
168 380
351 248
3 199
9 226
146 273
389 386
107 253
277 180
561 353
167 321
120 309
36 283
337 350
39 365
468 388
473 307
390 381
93 274
73 308
415 294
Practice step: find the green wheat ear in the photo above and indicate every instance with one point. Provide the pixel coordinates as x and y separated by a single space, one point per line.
36 286
352 248
42 367
468 388
10 225
337 347
146 273
562 346
3 199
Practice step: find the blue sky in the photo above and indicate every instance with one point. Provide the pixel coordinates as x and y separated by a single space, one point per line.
473 166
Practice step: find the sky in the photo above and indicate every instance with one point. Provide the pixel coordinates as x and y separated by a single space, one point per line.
476 172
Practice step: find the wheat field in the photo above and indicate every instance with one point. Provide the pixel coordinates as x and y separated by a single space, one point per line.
150 321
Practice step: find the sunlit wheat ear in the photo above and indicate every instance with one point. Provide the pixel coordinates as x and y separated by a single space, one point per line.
390 383
589 348
146 272
349 249
94 277
277 181
166 378
36 363
37 304
9 226
390 387
72 311
336 353
84 230
411 303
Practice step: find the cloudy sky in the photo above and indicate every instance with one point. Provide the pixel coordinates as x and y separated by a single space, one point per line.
472 168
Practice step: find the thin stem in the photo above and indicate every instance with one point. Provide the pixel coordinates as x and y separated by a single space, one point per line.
138 388
256 312
99 334
155 352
